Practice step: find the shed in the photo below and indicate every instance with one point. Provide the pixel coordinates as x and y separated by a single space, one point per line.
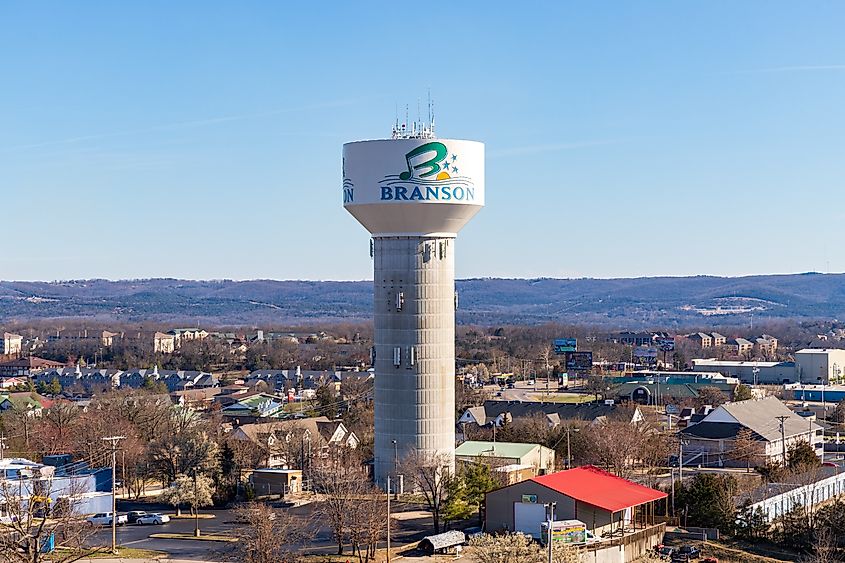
441 543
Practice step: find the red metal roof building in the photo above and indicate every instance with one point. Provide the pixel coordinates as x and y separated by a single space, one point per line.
607 504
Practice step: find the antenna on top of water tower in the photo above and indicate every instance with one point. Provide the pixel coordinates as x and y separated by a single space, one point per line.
431 114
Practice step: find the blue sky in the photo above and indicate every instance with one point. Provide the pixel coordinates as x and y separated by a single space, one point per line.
203 139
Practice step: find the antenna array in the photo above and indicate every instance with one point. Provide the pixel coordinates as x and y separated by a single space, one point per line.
418 129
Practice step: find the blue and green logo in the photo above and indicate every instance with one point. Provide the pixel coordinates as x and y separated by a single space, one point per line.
431 175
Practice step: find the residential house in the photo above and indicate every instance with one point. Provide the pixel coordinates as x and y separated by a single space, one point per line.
30 402
499 412
78 377
107 338
286 441
254 408
703 339
185 334
164 343
197 399
719 340
773 427
26 367
12 344
284 379
739 346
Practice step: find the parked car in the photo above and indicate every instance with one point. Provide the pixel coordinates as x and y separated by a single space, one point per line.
155 518
105 519
664 551
132 517
686 553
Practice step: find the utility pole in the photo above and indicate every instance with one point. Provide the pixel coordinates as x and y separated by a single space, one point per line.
388 518
568 450
2 444
681 461
113 440
672 473
551 523
781 418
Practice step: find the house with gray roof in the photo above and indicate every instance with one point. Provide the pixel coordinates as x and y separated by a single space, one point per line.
773 427
500 412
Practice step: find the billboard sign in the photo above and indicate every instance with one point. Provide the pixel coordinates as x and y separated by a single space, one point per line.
564 345
579 362
566 531
645 353
666 344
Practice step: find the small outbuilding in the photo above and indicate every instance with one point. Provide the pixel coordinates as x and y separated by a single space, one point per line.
443 543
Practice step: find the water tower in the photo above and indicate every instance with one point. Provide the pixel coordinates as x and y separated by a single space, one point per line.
413 193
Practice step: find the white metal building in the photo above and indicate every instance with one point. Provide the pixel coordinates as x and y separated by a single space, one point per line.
766 373
776 499
825 365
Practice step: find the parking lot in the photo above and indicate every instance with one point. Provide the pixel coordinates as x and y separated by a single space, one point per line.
411 525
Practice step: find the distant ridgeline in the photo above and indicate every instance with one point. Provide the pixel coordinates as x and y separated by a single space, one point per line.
631 303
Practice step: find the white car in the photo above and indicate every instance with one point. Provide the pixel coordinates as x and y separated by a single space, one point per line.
152 519
105 519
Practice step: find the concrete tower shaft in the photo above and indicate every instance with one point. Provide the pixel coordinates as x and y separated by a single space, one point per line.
414 283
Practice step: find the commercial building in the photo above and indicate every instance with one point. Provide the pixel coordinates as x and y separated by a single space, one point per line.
820 365
413 193
764 373
499 454
612 509
23 480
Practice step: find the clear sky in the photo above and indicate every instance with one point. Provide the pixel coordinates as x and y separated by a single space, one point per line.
203 139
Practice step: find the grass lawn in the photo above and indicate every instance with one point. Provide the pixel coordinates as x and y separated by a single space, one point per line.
746 552
122 552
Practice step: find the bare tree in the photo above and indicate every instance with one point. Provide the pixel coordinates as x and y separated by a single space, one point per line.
430 475
260 533
343 483
369 527
745 448
34 518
